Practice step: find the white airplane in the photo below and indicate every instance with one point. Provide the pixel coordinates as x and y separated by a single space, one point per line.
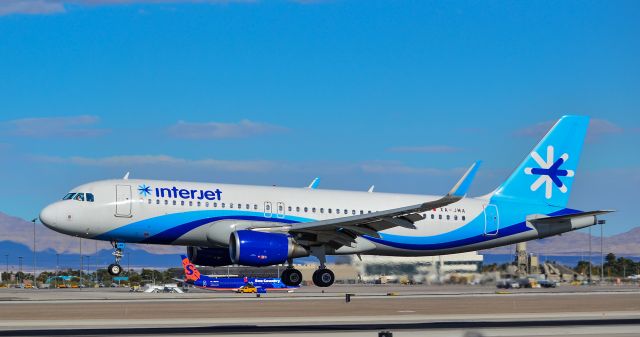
265 225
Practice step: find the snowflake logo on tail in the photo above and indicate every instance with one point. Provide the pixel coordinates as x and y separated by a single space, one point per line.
144 190
549 172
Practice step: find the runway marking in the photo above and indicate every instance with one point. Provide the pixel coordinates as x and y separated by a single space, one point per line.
138 299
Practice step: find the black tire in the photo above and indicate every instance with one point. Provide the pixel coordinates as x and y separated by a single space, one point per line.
291 277
114 269
323 278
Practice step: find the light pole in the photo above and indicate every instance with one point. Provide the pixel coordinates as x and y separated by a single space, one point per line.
20 267
57 267
80 272
601 223
589 255
6 256
88 268
34 250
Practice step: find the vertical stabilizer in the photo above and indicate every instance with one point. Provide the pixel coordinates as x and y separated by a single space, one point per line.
191 273
546 174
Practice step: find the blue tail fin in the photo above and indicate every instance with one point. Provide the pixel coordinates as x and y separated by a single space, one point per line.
546 174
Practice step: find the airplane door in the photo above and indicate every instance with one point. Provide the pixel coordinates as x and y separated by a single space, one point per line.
491 220
280 209
267 209
123 200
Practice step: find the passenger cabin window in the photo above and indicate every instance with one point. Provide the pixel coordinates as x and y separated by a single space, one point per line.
174 203
432 216
248 206
157 201
166 202
463 218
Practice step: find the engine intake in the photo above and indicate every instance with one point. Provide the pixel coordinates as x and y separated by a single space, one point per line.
257 249
212 257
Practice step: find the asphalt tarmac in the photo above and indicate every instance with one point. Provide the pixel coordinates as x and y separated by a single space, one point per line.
404 310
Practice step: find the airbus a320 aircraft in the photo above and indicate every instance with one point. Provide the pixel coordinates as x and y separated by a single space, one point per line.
263 225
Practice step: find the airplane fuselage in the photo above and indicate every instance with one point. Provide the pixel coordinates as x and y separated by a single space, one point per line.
202 214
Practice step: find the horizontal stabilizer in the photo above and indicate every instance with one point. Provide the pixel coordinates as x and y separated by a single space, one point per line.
560 218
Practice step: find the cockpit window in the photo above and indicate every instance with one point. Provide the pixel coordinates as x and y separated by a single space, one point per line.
79 196
90 197
68 196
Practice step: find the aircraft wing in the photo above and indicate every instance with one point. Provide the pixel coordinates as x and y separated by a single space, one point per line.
343 231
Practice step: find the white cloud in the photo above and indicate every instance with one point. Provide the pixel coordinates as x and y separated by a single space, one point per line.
47 127
216 130
31 7
161 160
392 167
597 129
426 149
248 166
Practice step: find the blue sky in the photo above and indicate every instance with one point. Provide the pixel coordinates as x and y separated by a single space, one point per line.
400 94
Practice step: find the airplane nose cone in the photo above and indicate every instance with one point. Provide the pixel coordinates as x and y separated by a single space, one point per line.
49 217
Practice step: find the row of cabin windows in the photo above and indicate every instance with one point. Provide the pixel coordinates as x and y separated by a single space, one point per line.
298 209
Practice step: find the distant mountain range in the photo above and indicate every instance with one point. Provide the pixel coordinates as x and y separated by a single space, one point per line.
16 239
577 243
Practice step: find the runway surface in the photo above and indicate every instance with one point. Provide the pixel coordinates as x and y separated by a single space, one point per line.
407 311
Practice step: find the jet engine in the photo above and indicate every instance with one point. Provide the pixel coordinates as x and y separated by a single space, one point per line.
212 257
257 249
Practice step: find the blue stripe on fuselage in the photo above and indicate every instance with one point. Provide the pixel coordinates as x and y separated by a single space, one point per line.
168 228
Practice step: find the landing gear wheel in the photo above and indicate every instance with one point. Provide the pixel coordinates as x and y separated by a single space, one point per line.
291 277
323 278
114 269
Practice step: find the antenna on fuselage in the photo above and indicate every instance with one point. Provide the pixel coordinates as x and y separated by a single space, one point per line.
371 188
126 176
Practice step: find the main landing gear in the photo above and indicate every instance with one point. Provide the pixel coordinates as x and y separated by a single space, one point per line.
322 277
114 269
291 277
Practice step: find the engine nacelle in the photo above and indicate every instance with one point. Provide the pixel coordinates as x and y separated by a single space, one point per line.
212 257
257 249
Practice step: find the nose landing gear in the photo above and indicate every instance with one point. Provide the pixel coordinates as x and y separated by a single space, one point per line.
115 269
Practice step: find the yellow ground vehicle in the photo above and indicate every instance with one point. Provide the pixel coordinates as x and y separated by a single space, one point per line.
247 289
